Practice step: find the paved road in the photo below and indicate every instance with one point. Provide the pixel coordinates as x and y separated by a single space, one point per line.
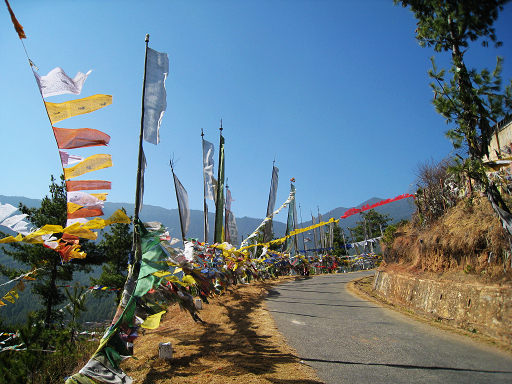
350 340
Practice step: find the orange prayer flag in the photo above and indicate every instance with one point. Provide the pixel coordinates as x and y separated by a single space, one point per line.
79 138
17 25
85 212
20 286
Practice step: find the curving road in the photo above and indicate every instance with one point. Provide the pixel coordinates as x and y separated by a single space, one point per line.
349 340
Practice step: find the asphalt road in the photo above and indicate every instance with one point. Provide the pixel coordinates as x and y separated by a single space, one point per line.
349 340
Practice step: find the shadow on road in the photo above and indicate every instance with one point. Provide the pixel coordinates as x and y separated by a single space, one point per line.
404 366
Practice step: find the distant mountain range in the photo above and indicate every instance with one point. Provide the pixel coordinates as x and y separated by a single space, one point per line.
397 210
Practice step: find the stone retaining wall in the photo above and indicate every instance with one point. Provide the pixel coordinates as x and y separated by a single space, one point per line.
484 309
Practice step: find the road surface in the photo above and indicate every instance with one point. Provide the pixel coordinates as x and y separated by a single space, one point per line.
350 340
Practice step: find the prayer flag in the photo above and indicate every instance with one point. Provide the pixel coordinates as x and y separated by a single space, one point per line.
17 25
6 210
92 163
66 159
267 234
61 111
56 82
232 230
155 103
85 212
84 199
208 153
79 138
290 225
182 196
219 211
78 185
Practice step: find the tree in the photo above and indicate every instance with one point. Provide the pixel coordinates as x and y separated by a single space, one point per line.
371 225
338 242
116 246
470 100
51 268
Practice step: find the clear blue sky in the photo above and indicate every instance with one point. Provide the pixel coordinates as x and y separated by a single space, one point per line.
336 91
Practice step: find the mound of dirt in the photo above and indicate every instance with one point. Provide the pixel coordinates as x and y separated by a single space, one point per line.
239 342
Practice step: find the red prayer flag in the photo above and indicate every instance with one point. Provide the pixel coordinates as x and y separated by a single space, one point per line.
81 185
17 25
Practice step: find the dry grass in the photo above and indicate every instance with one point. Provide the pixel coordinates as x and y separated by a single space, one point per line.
239 343
457 246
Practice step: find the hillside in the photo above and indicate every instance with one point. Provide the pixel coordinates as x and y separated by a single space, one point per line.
466 244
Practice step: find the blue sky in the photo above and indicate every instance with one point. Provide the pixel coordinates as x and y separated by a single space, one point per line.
336 92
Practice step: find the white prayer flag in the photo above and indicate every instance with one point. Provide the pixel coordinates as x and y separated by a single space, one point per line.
208 152
155 103
6 210
56 82
84 199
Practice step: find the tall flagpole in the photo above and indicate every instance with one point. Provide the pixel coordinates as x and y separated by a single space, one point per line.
220 193
134 267
205 206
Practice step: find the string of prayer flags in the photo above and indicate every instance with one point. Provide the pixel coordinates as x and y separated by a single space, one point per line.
353 211
56 82
37 236
61 111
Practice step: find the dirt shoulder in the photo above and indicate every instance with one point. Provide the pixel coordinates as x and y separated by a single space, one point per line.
239 343
363 288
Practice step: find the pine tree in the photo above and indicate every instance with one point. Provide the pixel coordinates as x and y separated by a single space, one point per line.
371 225
470 100
51 269
116 246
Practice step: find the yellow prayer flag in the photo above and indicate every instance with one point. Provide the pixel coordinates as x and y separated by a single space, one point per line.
72 207
84 233
11 239
61 111
2 303
14 292
9 298
92 163
100 196
188 280
153 321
